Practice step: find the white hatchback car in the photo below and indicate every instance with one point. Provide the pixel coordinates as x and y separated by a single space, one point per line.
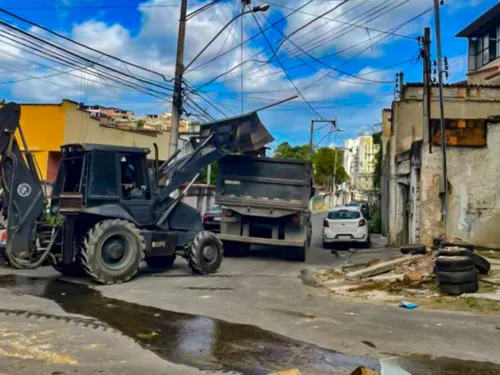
345 225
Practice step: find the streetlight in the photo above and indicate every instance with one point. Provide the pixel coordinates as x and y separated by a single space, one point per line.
255 9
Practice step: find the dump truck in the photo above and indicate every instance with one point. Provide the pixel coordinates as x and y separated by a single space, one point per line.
265 202
109 210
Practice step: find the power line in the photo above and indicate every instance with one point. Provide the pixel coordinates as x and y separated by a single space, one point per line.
81 44
282 67
249 39
333 68
68 61
53 7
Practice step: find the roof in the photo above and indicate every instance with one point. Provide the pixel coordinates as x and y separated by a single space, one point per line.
481 24
108 148
455 84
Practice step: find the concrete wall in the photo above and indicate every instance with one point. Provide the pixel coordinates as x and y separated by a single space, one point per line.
474 198
461 102
79 127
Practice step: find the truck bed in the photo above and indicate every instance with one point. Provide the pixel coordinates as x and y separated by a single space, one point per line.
264 182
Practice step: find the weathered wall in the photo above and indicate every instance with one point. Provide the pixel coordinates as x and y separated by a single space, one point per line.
81 128
474 198
461 102
484 75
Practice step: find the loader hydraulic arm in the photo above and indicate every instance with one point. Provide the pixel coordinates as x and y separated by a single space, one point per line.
21 184
243 133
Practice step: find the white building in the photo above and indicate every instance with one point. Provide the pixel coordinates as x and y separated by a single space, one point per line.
359 164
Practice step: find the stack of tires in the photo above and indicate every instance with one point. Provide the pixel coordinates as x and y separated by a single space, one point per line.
457 270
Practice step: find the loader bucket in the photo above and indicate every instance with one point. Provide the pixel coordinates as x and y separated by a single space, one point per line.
244 133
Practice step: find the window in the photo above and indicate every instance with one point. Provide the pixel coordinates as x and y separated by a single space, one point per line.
103 178
133 177
484 49
344 215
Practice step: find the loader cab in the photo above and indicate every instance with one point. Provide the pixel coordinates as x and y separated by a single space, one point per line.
115 178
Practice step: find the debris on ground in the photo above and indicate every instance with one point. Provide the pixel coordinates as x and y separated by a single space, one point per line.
408 305
390 366
380 268
412 278
292 371
361 370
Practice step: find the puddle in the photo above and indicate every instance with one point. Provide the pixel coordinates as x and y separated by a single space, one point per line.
212 344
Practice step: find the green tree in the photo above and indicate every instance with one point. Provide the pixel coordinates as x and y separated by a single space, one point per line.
202 179
140 123
323 161
284 150
326 165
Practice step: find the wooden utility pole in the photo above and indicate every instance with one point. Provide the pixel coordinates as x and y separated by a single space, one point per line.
441 109
179 71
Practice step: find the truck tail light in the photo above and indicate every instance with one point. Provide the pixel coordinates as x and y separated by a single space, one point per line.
295 219
3 237
362 223
326 224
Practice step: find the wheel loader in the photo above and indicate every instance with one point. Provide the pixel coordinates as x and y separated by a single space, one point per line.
110 207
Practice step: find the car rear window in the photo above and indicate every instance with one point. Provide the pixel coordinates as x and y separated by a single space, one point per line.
343 215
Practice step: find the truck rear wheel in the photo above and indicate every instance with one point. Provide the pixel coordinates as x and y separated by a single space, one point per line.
298 254
204 253
112 251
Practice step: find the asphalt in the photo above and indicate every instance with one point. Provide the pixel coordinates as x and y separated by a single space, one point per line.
253 316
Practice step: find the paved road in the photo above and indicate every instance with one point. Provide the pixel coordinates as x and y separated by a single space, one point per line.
183 324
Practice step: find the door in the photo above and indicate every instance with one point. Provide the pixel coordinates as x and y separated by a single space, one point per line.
136 193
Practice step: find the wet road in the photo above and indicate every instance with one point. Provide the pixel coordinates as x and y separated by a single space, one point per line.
205 343
253 316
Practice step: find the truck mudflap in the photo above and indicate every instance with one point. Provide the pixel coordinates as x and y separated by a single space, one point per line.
262 241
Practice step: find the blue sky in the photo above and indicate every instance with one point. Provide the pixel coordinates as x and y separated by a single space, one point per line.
144 32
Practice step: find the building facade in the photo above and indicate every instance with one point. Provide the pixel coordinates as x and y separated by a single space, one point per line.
67 123
359 164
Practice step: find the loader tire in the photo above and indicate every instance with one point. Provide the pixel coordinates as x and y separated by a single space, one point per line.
459 277
205 253
454 263
112 251
161 262
457 289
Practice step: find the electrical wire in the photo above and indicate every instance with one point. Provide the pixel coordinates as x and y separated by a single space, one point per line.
3 10
283 68
247 40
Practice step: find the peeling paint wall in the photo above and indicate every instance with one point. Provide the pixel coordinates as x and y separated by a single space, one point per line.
461 102
474 195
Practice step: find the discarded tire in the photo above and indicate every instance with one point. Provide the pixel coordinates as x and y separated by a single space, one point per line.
458 244
482 265
457 289
413 249
454 263
459 277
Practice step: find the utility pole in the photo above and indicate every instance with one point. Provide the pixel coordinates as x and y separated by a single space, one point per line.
311 134
426 56
441 109
179 71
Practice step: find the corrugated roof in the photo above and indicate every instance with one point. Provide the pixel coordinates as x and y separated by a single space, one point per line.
481 24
